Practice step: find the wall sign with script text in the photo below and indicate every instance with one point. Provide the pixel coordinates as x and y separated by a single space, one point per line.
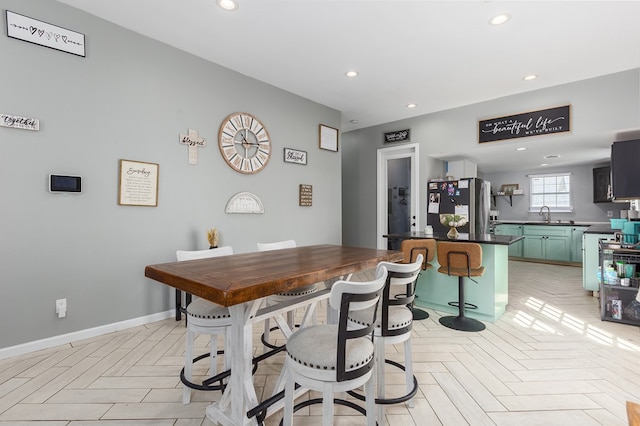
295 156
535 123
399 136
16 122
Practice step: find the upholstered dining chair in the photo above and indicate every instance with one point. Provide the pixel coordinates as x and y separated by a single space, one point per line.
285 296
332 358
203 317
410 250
393 324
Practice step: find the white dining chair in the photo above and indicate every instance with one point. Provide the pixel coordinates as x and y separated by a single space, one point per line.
331 358
204 317
393 324
285 296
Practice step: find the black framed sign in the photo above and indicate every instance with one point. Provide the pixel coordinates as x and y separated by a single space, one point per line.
535 123
399 136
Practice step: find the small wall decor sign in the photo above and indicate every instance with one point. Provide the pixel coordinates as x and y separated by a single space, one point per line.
38 32
399 136
295 156
535 123
193 141
306 195
16 122
138 184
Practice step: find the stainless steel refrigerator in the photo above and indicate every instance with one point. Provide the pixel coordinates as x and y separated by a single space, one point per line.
470 197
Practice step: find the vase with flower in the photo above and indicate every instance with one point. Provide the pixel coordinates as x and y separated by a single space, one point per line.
453 221
212 237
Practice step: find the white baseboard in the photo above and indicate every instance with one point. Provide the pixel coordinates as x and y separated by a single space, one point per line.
82 334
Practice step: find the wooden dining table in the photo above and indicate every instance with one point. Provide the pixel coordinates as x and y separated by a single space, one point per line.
240 282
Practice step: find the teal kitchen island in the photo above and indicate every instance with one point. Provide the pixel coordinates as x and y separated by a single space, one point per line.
436 290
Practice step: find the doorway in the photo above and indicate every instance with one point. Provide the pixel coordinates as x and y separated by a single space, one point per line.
398 196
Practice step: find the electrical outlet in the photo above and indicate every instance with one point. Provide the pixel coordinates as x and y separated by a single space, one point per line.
61 308
609 213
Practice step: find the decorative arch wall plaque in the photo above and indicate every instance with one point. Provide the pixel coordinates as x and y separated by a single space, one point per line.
244 202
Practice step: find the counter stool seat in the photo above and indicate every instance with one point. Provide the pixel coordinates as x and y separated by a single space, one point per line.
332 358
410 250
461 260
204 317
283 296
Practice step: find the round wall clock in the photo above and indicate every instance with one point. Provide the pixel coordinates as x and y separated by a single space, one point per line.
244 143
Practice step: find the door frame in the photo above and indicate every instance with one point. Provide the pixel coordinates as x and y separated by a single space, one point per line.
410 151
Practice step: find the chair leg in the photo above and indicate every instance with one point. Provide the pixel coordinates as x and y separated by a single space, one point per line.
370 403
289 389
408 370
266 332
188 366
213 356
327 405
380 382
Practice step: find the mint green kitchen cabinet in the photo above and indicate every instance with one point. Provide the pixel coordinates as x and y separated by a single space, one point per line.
576 242
547 242
515 249
591 260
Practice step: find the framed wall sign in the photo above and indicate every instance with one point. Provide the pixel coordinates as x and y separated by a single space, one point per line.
305 195
535 123
138 184
38 32
295 156
328 138
399 136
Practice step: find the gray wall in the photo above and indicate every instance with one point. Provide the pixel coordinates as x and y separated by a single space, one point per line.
130 98
607 103
584 209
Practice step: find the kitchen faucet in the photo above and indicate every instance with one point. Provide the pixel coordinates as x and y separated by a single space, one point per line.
547 219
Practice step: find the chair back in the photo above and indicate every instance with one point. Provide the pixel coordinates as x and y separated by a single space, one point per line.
460 256
349 296
277 245
399 274
203 254
411 248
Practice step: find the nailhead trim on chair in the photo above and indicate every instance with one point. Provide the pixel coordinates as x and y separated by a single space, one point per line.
357 316
300 291
207 310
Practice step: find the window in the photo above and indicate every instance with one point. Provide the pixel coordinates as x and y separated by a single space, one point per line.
552 190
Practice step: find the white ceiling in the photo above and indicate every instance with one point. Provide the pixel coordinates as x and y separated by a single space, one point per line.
436 54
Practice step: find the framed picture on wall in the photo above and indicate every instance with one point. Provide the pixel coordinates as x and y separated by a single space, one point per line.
138 184
328 138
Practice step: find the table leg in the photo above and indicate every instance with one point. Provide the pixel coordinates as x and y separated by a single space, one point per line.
240 394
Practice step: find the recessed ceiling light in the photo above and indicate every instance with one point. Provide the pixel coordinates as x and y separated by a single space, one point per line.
544 164
412 105
228 4
354 121
522 148
499 19
351 73
529 77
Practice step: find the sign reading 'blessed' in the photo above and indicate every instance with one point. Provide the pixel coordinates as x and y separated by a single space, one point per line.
543 122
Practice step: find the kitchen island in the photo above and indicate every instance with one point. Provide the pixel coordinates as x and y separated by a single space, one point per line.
491 292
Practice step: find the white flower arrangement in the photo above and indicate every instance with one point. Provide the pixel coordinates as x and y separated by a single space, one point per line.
453 220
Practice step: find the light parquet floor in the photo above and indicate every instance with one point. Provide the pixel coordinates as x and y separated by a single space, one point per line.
548 361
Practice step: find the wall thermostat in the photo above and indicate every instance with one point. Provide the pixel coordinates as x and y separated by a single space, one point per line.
65 183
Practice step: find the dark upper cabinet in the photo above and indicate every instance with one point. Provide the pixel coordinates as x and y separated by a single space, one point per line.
602 184
625 158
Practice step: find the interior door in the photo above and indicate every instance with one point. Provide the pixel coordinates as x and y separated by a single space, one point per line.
398 199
